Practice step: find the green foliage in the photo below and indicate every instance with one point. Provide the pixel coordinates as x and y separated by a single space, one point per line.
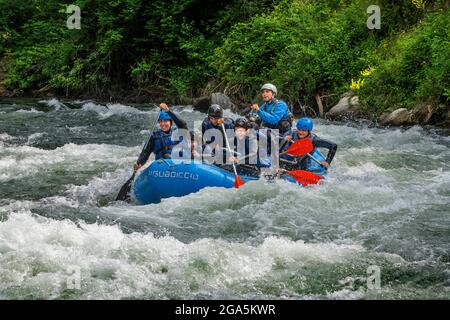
318 47
415 67
184 47
304 47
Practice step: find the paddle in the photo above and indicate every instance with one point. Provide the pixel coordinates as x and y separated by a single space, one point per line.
237 181
125 190
300 148
304 177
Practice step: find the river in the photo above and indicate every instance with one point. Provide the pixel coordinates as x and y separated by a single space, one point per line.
378 228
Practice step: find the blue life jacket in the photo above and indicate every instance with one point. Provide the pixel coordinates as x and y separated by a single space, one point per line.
294 134
273 113
163 144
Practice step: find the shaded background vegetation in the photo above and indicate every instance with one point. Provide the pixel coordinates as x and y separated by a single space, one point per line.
185 48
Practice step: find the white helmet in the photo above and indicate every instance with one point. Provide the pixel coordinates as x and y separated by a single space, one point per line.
271 87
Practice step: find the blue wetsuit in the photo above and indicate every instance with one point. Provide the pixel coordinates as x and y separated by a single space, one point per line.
317 143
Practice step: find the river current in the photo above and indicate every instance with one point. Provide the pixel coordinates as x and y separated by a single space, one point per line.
378 228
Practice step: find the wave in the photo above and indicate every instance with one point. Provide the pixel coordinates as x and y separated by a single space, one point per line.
55 104
109 110
25 161
42 255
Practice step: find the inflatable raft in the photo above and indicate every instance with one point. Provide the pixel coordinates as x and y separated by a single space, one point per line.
166 178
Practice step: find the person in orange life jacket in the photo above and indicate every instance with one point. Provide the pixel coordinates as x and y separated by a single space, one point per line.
273 113
303 130
160 142
214 120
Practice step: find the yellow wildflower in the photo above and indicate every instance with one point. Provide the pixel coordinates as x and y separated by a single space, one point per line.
356 85
419 4
368 71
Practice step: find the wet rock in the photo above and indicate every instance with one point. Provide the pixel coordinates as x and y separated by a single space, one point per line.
398 117
423 113
222 100
202 103
346 107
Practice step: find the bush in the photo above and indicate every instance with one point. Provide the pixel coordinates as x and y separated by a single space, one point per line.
415 67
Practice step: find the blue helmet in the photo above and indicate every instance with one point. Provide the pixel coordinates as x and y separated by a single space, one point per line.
305 124
164 116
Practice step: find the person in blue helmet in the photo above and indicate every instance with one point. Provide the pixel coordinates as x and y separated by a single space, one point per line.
303 130
161 143
274 113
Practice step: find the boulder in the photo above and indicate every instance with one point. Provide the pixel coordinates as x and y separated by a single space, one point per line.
398 117
423 113
345 107
222 100
202 103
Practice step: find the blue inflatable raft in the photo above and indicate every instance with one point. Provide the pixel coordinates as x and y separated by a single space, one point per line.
168 178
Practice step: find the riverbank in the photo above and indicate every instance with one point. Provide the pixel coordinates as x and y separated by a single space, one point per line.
348 108
314 52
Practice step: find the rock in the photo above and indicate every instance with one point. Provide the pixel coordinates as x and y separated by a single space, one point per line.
340 108
222 100
202 103
398 117
354 101
347 106
423 113
185 100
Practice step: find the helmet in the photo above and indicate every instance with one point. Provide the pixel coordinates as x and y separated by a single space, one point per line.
305 124
164 116
215 111
271 87
242 123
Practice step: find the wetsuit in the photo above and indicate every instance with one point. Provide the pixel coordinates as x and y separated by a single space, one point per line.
300 162
207 125
160 142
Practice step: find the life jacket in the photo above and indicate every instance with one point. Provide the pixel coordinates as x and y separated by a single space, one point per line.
207 125
238 148
163 144
285 124
295 137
